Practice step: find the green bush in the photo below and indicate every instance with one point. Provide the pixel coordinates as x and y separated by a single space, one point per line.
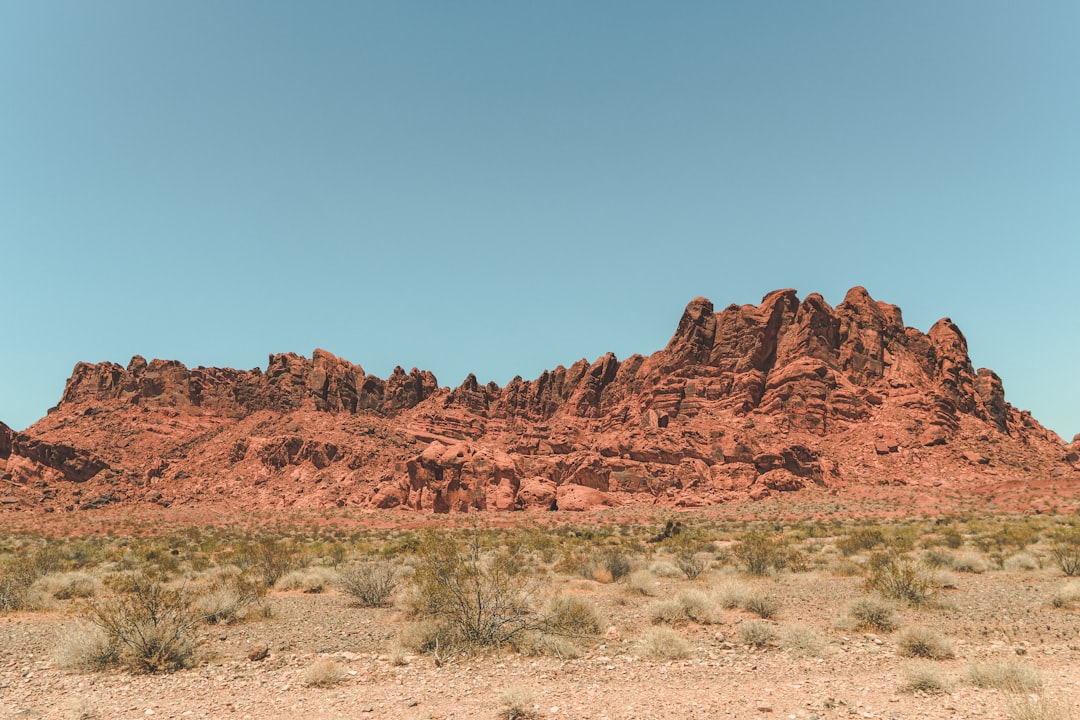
871 615
761 605
760 552
617 563
370 584
477 598
19 573
153 625
859 539
691 563
899 578
1066 551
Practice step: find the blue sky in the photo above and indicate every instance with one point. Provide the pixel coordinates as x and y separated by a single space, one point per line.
501 187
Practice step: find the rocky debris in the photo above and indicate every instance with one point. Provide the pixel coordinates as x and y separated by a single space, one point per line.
785 396
259 652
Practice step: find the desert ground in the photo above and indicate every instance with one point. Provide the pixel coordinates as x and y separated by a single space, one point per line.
548 615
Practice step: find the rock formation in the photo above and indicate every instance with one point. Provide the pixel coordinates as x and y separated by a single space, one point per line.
741 404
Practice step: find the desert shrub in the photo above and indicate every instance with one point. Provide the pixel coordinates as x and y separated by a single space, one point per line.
1008 675
640 582
1066 551
539 644
86 648
761 605
18 574
269 558
662 643
923 678
950 537
870 615
229 598
1030 707
576 561
312 580
668 611
426 636
516 704
691 563
802 639
571 615
731 595
925 643
937 559
859 539
324 672
969 562
663 568
1021 561
1016 535
69 585
369 584
153 625
1067 596
899 578
687 606
756 634
479 600
759 552
616 563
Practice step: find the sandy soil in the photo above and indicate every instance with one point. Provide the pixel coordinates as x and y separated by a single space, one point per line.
994 616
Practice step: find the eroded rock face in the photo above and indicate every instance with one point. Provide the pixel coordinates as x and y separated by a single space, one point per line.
290 382
786 396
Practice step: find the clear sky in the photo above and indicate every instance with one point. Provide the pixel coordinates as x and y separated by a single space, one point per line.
501 187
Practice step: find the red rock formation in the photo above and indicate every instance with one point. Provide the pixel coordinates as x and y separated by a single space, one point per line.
784 396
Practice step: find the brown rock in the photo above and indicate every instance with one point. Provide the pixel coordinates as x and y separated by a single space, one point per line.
580 498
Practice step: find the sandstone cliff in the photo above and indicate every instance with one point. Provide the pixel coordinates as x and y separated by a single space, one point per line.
743 403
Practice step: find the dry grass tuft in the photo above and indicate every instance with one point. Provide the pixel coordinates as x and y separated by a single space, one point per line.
86 648
922 642
756 634
761 605
1028 707
572 615
641 582
871 615
802 639
310 580
732 594
517 704
923 678
969 562
325 672
1067 596
687 606
69 585
661 643
1007 675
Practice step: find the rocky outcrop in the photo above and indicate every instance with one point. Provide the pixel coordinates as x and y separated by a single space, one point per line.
750 401
290 382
